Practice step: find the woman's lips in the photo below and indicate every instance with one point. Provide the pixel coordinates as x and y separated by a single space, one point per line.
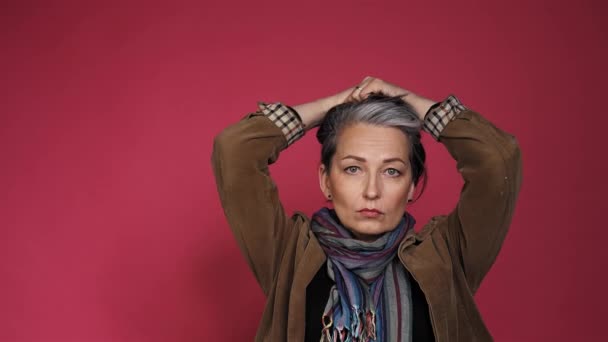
370 213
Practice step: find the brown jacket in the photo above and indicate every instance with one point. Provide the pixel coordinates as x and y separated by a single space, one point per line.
448 258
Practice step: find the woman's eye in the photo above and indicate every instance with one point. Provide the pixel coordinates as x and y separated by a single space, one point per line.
352 169
393 172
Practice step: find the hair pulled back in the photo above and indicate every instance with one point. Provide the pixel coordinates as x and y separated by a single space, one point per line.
381 110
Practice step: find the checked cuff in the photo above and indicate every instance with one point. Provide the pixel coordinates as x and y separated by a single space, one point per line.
440 114
285 117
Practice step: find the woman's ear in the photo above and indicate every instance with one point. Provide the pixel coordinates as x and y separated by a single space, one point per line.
324 183
410 194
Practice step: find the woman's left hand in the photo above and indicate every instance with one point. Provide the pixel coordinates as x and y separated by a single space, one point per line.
371 84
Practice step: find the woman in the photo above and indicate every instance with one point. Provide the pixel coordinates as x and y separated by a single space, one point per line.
359 271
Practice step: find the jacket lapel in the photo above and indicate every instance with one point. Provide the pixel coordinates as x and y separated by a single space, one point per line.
429 264
307 266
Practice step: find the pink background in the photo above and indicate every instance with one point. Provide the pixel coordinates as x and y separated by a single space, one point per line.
110 225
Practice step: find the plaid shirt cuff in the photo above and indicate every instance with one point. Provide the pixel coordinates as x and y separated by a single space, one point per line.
285 117
440 115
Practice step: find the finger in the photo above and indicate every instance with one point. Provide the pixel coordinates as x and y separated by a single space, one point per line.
356 92
349 96
368 85
353 95
362 88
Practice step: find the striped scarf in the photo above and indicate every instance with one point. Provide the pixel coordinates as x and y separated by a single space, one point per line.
371 299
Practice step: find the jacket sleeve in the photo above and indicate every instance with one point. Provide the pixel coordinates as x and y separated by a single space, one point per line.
241 155
489 161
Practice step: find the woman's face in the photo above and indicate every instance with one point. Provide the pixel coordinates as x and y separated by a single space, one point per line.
370 179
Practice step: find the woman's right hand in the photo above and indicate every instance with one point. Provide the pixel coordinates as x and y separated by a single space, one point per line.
370 84
312 113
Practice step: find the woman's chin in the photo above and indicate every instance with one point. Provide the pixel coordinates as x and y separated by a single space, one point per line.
368 232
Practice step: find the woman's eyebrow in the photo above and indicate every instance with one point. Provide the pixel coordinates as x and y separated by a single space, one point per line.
363 160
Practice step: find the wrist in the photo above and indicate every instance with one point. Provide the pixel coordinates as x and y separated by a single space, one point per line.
421 105
327 103
311 113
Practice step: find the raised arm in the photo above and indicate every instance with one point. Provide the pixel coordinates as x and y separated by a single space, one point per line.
240 159
489 162
250 199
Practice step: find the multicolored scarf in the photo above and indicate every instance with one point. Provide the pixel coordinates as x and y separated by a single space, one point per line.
371 298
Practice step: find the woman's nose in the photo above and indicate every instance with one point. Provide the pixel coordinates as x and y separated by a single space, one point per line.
372 188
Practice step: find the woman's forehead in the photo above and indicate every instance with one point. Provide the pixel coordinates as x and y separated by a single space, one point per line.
372 142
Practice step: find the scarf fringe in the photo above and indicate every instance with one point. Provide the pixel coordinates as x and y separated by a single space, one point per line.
360 331
356 327
370 324
327 321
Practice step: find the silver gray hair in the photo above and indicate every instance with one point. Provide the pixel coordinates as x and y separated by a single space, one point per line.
376 109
